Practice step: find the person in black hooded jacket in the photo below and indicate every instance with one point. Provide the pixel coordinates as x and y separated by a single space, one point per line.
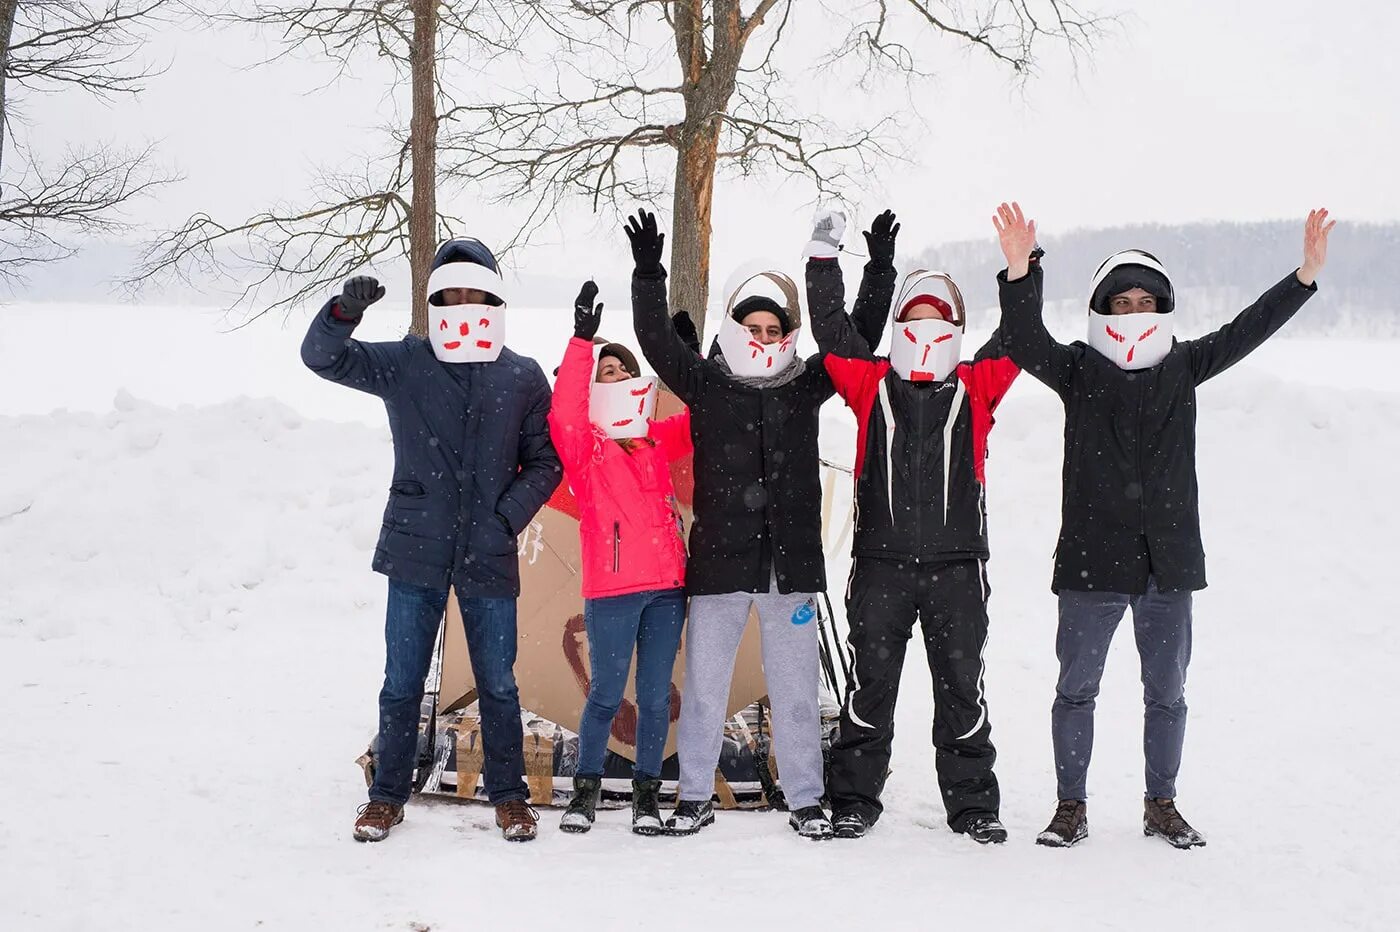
756 540
1130 524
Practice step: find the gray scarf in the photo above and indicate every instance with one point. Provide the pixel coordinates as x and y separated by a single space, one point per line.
793 370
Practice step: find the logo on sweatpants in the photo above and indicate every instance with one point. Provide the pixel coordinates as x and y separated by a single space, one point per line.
804 613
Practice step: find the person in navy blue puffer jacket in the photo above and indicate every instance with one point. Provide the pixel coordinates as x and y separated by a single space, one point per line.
473 463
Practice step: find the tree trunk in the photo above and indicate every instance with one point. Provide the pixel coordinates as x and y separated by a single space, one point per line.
422 141
7 28
696 157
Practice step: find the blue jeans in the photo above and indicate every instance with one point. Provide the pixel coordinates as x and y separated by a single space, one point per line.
651 623
410 631
1162 627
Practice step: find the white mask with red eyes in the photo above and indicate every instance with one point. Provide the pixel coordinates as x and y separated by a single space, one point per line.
1132 341
466 332
747 357
927 349
623 409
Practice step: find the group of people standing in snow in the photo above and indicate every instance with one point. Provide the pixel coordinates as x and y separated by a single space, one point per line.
480 443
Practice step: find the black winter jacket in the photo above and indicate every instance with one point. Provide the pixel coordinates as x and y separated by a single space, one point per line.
473 462
1130 505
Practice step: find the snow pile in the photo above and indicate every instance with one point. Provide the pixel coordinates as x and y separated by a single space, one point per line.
191 638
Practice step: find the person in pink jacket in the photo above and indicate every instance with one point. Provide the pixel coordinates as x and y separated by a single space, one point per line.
617 462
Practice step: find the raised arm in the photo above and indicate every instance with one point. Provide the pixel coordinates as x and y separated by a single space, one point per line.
871 311
834 330
539 473
329 351
678 366
1022 332
1213 353
569 425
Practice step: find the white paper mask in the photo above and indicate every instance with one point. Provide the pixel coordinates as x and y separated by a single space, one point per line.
466 332
1132 341
925 350
623 409
746 356
929 349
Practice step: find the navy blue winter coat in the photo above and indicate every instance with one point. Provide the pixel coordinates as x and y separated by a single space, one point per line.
473 462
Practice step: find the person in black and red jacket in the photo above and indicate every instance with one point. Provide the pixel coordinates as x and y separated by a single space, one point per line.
920 544
1130 533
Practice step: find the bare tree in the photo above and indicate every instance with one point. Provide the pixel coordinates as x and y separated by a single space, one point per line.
386 211
596 132
51 46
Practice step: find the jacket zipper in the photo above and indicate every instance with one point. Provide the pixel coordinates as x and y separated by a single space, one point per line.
617 542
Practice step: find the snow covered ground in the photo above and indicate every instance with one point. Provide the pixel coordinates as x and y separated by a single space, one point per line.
190 646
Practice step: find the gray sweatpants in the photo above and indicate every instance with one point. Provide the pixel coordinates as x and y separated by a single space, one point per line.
788 627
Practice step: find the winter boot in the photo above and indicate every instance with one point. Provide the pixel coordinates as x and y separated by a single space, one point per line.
690 817
517 820
1160 818
985 830
849 824
578 818
811 822
376 819
646 813
1069 826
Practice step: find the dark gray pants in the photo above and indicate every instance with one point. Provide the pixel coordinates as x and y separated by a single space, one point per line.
1162 627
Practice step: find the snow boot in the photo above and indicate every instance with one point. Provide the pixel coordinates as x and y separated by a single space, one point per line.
1160 818
517 820
376 819
690 817
849 824
578 817
811 822
985 830
646 813
1069 826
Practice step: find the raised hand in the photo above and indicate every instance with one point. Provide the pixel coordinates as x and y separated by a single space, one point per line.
828 226
879 239
587 316
357 294
1017 235
1314 245
647 243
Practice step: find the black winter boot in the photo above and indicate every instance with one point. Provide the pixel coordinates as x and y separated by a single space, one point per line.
579 816
1160 818
646 810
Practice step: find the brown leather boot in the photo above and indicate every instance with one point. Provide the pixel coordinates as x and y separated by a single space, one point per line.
517 820
376 819
1069 826
1159 817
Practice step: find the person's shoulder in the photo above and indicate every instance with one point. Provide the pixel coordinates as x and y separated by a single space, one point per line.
521 364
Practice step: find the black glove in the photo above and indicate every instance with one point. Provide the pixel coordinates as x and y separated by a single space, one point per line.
685 329
357 294
647 243
879 239
1036 255
586 315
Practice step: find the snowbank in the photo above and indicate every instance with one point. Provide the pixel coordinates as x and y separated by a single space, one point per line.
190 645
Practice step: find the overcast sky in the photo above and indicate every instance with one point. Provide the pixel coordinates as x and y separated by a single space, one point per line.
1197 109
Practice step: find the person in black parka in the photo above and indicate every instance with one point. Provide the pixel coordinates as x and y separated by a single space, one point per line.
1130 528
473 463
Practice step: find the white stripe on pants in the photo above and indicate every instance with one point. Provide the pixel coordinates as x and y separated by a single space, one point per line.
790 663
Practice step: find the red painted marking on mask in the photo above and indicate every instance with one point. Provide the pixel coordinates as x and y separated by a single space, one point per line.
927 349
465 328
920 376
455 344
1148 333
622 423
484 344
484 322
770 362
1130 352
442 324
640 391
909 335
944 339
1111 332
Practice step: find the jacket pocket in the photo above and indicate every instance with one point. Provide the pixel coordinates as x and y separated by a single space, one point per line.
617 545
407 488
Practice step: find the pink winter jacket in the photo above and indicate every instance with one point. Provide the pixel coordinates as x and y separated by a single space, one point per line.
629 521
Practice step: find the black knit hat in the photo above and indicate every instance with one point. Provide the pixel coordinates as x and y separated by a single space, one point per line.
466 249
760 302
1125 275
